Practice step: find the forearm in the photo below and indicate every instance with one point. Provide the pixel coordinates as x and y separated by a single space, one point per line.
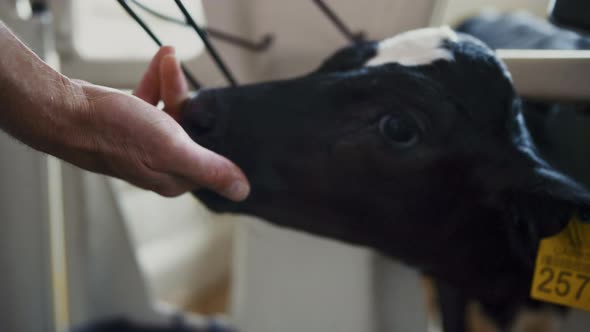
34 97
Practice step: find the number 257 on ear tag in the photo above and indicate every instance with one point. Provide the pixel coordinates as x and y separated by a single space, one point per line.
562 268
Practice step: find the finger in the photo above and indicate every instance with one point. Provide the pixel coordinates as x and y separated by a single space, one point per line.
173 87
208 169
149 86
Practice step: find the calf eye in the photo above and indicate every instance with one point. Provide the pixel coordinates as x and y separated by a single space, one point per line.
400 130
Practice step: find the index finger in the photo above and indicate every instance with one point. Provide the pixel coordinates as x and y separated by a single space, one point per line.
149 86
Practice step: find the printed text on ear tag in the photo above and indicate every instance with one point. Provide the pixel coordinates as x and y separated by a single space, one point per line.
562 268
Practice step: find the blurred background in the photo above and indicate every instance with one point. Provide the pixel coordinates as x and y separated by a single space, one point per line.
78 247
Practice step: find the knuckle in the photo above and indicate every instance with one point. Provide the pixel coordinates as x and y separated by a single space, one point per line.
161 149
157 157
164 155
177 142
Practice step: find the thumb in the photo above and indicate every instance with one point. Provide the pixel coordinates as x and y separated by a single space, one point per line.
207 169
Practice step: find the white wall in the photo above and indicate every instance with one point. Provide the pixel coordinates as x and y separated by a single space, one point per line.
304 37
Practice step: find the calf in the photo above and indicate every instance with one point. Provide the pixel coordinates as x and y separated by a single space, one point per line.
414 146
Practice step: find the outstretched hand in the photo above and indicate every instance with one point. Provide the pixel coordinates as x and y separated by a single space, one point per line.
107 131
133 140
147 147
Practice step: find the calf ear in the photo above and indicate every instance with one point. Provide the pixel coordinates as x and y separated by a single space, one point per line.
349 58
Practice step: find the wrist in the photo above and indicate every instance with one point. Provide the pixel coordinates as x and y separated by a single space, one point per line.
70 114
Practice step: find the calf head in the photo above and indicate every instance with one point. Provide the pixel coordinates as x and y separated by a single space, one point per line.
414 146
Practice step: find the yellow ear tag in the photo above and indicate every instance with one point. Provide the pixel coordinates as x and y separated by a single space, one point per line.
562 268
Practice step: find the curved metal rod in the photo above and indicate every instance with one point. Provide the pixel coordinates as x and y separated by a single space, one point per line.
212 51
259 46
254 46
352 37
192 80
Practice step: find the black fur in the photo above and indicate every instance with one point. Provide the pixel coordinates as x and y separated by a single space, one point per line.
559 128
467 204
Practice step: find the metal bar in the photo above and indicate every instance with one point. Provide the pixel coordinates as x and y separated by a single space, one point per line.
212 51
192 80
352 37
259 46
255 46
554 75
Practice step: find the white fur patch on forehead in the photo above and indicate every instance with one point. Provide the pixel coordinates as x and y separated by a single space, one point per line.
414 48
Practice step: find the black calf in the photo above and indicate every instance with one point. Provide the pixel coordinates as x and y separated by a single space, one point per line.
414 146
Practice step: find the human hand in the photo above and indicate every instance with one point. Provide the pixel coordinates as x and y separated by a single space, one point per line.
128 138
107 131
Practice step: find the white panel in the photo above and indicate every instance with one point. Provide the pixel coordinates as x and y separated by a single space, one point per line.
400 297
105 280
25 281
549 74
291 282
26 278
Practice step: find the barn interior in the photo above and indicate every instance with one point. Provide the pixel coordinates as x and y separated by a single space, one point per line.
79 248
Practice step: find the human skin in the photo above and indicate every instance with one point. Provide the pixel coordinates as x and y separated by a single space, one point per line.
107 131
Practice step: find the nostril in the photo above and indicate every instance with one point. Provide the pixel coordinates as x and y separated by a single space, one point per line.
198 115
204 119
